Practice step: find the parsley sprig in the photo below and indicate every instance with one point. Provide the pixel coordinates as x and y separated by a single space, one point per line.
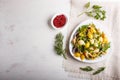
95 11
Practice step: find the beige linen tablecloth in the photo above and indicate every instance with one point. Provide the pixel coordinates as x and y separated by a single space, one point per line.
112 25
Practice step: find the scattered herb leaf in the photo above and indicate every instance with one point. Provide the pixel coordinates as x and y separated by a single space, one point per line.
99 70
96 7
59 45
87 68
87 5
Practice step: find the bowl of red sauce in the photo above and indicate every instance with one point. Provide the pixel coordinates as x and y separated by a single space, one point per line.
59 21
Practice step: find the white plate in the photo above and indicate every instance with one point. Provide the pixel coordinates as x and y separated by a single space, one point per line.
98 25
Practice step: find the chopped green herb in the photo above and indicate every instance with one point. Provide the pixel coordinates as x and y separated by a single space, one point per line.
59 45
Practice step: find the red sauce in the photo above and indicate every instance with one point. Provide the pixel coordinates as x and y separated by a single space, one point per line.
59 21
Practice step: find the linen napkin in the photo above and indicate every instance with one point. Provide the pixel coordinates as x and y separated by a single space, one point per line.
112 26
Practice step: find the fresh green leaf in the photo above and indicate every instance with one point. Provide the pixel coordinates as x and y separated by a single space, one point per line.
58 46
106 46
103 13
87 68
81 48
83 27
97 16
87 5
99 70
96 7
